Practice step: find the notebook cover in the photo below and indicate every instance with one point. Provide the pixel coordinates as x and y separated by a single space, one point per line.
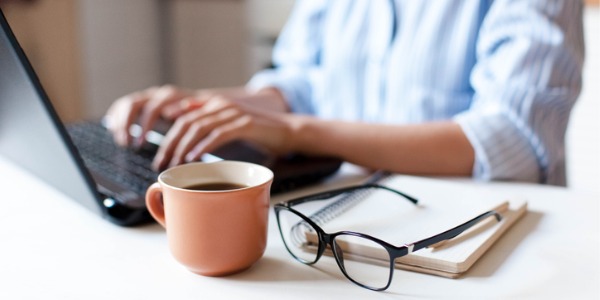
443 204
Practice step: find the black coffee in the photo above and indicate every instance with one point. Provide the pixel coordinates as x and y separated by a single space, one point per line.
215 186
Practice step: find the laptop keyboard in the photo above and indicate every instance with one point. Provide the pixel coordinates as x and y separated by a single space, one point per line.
125 167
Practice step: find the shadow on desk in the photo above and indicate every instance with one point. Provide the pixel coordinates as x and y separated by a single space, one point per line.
269 269
502 249
147 228
326 272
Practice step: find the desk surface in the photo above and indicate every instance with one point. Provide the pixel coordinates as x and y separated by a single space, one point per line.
52 248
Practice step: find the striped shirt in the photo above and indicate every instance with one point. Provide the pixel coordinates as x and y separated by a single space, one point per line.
507 71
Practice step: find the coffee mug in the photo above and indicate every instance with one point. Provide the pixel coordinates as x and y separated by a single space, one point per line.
215 214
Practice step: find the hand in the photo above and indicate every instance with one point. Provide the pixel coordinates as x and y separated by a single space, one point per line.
205 120
214 122
146 106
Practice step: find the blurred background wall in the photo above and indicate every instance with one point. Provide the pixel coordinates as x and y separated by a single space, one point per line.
49 33
89 52
583 140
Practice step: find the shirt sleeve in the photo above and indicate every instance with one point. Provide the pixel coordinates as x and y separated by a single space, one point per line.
296 57
526 80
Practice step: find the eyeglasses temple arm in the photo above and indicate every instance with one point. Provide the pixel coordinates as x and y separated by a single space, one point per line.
407 197
336 192
451 233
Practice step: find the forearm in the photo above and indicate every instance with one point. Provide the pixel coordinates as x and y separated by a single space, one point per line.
269 99
439 148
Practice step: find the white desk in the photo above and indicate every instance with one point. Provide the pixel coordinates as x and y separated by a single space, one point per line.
51 248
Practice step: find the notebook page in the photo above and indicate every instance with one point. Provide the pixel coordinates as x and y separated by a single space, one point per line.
442 205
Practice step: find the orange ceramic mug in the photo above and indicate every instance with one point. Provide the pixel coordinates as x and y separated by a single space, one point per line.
215 214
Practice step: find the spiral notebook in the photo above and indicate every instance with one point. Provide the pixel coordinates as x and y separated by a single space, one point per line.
442 205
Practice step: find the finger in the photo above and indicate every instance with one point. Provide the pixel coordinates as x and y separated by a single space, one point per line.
173 111
220 136
152 110
121 115
169 142
124 112
200 129
173 136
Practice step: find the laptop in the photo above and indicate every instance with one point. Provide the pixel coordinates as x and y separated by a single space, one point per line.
82 160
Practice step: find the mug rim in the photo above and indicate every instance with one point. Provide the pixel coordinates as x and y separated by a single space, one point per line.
269 176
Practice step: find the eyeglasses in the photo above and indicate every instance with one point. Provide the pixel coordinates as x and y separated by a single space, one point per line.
306 241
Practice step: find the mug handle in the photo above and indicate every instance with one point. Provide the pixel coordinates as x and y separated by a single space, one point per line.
154 203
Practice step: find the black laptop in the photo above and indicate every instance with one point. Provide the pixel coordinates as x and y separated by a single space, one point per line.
82 160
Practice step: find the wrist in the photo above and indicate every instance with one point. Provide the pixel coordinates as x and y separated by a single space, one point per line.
268 99
302 135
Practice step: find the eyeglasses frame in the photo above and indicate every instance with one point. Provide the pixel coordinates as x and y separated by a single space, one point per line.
393 251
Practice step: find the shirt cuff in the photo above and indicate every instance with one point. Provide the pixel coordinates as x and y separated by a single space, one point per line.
502 152
295 89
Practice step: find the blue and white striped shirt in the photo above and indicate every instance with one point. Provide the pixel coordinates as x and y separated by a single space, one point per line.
507 71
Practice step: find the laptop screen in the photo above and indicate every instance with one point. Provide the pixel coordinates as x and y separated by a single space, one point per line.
31 133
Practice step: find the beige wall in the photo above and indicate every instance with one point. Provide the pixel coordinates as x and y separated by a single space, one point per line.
583 141
89 52
47 31
208 42
121 49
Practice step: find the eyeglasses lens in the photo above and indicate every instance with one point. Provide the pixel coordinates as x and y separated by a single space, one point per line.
299 236
371 268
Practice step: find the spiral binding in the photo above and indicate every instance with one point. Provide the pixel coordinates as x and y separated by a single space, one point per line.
332 210
329 212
